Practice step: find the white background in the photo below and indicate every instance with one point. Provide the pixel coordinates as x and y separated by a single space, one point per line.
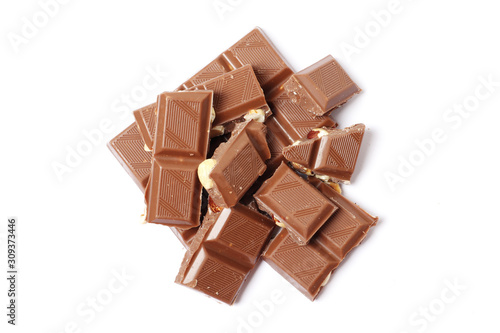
441 224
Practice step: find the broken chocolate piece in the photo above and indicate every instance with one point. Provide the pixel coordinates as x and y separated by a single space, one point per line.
294 202
235 94
254 49
293 118
236 164
321 87
173 194
308 268
224 251
327 152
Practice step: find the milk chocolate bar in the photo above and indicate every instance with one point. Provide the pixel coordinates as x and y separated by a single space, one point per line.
173 194
254 49
146 120
128 148
224 251
295 203
236 164
321 87
235 94
308 268
330 154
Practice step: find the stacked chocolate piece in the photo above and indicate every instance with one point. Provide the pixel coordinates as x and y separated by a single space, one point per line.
242 146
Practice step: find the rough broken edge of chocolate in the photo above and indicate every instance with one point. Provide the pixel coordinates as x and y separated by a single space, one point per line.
265 195
260 145
310 169
320 248
269 77
322 87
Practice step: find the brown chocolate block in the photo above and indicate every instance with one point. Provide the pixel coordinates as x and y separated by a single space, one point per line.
321 87
128 148
224 251
289 123
293 118
173 194
146 120
254 49
183 125
236 164
235 94
328 153
347 227
309 267
295 203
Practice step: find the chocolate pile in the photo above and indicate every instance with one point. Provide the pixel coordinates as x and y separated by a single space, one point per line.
242 146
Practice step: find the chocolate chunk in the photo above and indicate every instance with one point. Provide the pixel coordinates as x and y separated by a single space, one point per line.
289 123
329 152
146 120
236 164
308 268
321 87
295 203
235 94
293 118
128 148
224 251
254 49
173 194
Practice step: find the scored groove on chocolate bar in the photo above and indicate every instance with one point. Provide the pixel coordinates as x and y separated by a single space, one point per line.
306 267
173 195
343 231
224 251
128 148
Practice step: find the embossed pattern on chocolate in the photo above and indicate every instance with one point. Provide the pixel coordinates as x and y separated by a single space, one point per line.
224 251
321 87
295 203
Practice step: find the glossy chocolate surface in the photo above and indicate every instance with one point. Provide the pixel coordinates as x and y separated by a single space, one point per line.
309 267
224 251
321 87
173 195
294 202
240 161
333 155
